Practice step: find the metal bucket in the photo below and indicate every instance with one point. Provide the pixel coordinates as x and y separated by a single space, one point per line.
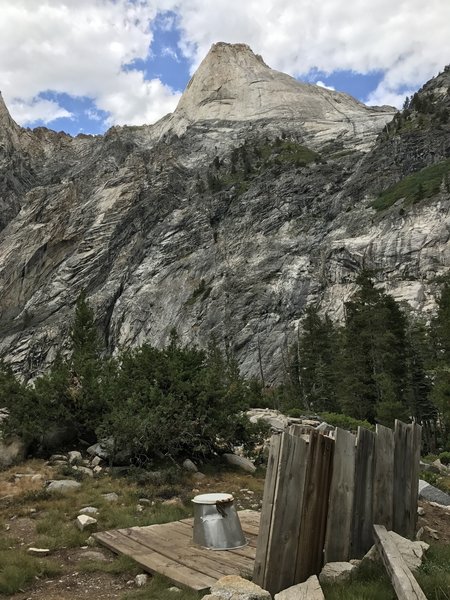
216 522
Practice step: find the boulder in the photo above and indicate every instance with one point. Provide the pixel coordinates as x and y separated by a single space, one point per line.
239 461
233 587
86 523
75 457
412 552
85 471
309 590
12 451
432 494
188 465
102 449
428 468
96 461
63 486
336 572
111 497
93 555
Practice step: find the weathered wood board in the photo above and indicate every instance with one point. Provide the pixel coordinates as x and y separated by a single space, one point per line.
362 534
383 480
168 550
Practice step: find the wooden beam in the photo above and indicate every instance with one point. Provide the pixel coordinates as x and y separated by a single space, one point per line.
403 581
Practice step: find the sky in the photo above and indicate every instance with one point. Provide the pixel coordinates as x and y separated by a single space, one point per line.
82 66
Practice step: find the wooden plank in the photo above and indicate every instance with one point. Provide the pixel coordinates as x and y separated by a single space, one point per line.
283 545
414 457
200 560
402 479
315 506
405 585
265 529
342 490
154 562
362 534
383 479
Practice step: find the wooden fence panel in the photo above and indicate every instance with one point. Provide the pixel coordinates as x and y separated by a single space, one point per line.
414 447
383 480
362 534
265 527
339 527
315 506
283 543
402 477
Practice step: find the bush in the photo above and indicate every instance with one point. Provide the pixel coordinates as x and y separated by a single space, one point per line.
345 422
444 457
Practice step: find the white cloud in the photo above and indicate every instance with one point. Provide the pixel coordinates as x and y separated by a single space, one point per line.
407 39
79 48
324 85
26 112
82 48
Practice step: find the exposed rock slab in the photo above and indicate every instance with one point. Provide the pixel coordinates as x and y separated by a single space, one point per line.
309 590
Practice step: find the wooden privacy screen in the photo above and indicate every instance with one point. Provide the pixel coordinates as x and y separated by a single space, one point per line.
323 495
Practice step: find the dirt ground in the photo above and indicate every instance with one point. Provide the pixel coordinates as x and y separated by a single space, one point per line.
22 510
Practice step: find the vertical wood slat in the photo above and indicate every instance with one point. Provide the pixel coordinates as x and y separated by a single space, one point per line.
281 556
342 490
402 477
362 535
415 441
267 510
383 479
315 506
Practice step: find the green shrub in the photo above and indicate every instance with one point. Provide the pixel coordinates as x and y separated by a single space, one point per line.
345 422
444 457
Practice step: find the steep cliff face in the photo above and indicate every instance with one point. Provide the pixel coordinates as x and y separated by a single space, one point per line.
258 195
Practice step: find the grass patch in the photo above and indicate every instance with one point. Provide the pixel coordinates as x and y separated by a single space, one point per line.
121 564
370 583
18 570
434 574
415 187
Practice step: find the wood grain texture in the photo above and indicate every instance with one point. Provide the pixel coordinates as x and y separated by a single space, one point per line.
342 490
383 479
362 534
403 581
402 478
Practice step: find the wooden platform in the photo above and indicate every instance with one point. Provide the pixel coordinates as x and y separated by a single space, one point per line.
168 550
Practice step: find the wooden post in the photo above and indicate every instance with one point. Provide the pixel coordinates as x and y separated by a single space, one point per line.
383 479
340 511
405 585
265 528
414 457
362 533
402 477
315 506
282 549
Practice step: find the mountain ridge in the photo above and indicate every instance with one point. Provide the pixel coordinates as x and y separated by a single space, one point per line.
214 227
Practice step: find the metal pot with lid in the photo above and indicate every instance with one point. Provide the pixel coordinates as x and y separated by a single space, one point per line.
216 522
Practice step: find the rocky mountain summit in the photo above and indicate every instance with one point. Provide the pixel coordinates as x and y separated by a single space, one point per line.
258 195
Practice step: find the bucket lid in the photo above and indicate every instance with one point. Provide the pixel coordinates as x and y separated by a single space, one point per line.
212 498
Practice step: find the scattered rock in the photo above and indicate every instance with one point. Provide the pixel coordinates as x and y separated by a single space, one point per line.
111 497
97 470
440 467
91 541
336 572
172 502
188 465
441 506
324 428
102 449
57 457
85 471
75 457
96 461
420 511
88 510
63 486
309 590
139 508
431 532
198 476
141 579
93 555
239 461
144 501
36 477
428 468
86 523
174 589
39 551
236 588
